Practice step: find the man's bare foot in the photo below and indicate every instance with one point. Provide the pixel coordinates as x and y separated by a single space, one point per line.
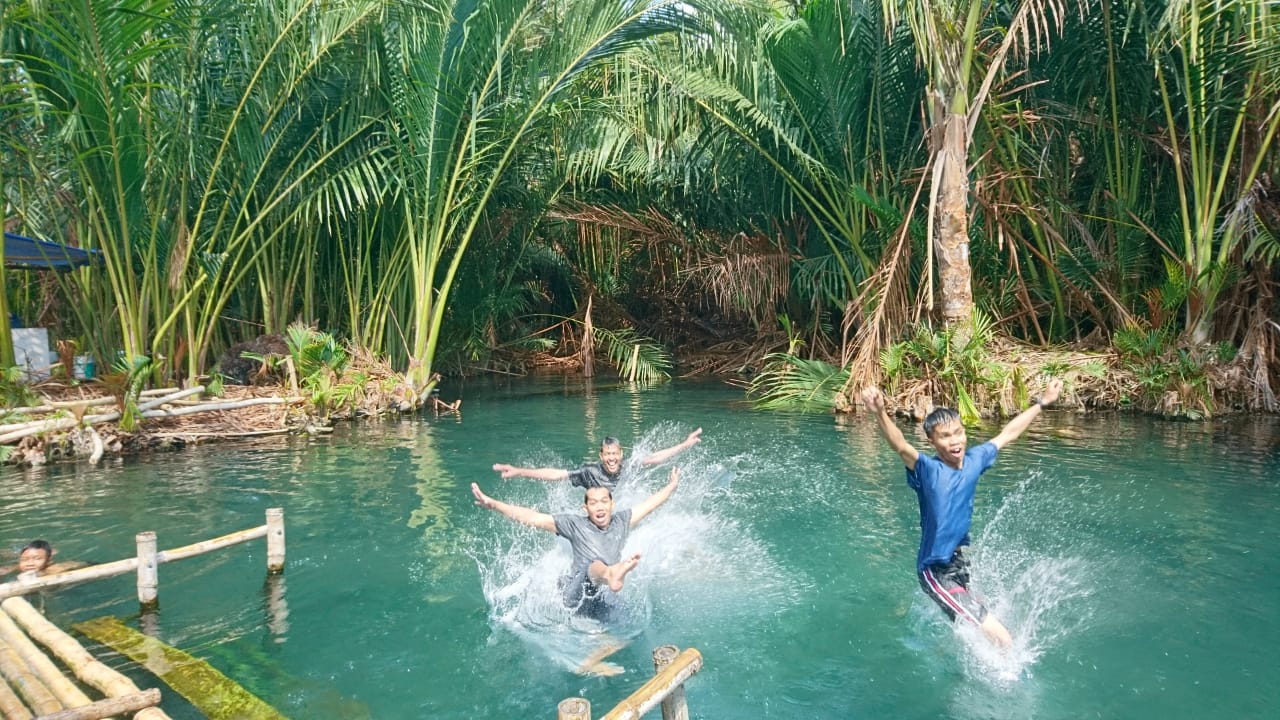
614 575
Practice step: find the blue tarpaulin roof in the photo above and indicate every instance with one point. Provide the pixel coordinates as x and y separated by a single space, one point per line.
31 254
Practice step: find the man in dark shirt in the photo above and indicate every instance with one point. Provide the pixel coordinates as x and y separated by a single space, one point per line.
598 568
599 474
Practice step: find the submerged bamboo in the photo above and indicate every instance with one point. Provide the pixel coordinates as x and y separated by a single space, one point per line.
74 656
21 679
11 706
67 692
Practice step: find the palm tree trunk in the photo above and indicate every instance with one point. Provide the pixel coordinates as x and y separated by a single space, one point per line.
952 241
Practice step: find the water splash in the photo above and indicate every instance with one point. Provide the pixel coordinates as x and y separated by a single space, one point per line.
699 567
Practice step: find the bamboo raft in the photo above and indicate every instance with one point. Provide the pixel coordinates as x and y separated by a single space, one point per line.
34 688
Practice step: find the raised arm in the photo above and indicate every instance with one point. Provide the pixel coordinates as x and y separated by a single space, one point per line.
664 455
655 500
518 513
548 474
1023 419
874 400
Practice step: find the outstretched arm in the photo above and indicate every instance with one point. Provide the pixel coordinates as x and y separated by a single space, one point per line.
874 400
664 455
548 474
652 502
519 513
1023 420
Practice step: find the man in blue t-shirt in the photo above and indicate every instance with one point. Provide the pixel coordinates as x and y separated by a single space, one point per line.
598 569
945 485
598 474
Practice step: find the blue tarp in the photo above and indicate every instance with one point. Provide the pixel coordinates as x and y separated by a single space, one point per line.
30 254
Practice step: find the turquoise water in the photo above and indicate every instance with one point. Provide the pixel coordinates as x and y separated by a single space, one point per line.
1133 559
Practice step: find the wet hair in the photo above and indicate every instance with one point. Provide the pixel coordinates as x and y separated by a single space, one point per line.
40 545
586 497
608 441
939 416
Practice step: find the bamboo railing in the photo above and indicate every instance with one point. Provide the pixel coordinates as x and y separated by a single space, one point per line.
148 560
666 688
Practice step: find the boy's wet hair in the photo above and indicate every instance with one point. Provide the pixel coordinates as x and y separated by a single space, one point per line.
39 545
609 441
586 497
939 416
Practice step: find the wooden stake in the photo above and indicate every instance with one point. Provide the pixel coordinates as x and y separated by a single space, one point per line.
573 709
110 706
74 656
20 678
67 692
275 540
674 706
148 573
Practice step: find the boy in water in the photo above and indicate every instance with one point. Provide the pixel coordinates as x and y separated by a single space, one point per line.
598 474
37 558
945 485
598 570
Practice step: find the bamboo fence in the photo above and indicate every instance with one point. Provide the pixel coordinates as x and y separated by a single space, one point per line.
666 689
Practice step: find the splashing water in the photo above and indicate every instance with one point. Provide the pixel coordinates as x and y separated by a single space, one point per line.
697 568
1034 567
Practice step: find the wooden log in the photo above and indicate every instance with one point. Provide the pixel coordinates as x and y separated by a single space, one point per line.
74 656
674 707
658 687
67 692
148 570
573 709
10 434
108 707
24 585
157 402
204 546
11 707
275 540
38 697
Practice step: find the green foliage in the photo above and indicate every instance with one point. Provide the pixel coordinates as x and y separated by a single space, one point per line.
637 359
320 362
955 360
125 382
788 382
14 392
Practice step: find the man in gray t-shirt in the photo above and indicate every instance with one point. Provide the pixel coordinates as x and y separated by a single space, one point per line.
597 540
599 474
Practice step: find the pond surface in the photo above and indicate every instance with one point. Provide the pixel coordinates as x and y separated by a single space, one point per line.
1133 559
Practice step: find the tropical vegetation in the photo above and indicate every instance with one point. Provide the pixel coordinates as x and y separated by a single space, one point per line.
827 192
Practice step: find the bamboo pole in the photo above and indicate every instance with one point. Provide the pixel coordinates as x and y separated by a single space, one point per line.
204 546
67 692
157 402
148 572
658 687
38 697
275 540
11 706
674 706
573 709
74 656
108 707
24 585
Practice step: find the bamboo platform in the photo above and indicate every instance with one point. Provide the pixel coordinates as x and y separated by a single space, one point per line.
34 687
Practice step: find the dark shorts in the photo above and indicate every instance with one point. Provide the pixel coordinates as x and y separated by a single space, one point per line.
585 598
948 584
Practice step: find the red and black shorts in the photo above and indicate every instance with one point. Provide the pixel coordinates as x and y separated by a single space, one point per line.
948 584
